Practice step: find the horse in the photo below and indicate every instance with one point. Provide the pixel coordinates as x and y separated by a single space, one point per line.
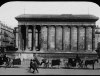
79 61
5 60
90 62
45 62
1 60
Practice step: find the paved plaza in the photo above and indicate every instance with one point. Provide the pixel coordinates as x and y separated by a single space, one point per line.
25 71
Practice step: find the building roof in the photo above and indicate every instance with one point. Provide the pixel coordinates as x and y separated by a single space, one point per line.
53 17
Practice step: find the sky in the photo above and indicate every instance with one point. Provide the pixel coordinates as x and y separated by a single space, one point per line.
10 10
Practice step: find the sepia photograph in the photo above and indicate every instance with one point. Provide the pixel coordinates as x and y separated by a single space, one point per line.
49 38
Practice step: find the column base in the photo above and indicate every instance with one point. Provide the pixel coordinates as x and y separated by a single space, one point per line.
34 50
27 50
41 51
94 51
19 50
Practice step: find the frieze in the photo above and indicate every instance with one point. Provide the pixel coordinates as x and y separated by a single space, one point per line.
57 23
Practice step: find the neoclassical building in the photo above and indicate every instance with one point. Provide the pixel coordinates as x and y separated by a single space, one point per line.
56 33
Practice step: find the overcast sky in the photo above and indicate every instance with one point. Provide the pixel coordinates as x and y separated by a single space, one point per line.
10 10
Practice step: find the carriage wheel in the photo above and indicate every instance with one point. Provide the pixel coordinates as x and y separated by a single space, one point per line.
65 65
79 65
93 66
6 64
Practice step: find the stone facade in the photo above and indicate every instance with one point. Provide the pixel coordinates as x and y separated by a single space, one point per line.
60 33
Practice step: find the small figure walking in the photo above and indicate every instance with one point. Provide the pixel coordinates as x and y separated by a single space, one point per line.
33 65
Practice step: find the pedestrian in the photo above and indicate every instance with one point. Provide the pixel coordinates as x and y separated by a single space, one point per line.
36 58
30 64
33 65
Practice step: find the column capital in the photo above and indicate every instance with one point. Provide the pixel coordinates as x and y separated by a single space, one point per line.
53 25
60 25
68 26
43 25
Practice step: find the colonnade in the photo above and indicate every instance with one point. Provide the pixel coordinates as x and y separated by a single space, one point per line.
59 38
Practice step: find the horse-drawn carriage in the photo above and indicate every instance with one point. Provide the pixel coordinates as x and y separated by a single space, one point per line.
9 62
75 62
13 62
81 63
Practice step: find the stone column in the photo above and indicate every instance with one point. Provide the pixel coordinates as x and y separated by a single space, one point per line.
70 37
66 38
26 38
81 38
51 38
33 38
47 37
41 39
19 39
89 38
55 36
85 43
77 37
62 37
74 38
39 43
59 38
93 38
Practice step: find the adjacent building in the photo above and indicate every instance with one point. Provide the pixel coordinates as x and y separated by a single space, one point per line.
7 39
